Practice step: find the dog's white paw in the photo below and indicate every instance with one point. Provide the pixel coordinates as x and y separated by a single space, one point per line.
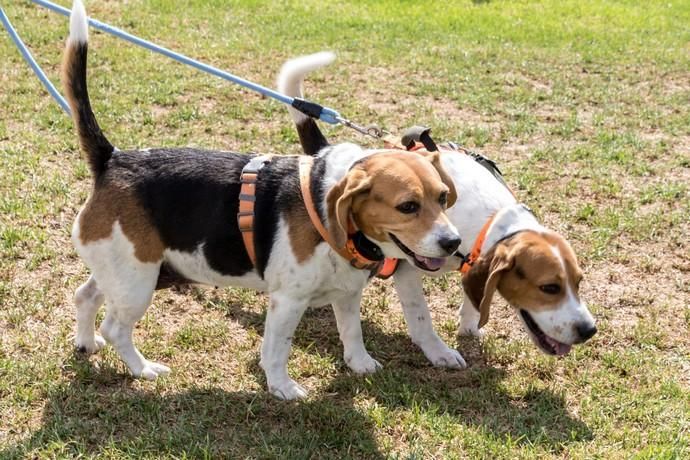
288 390
441 355
151 371
363 364
89 346
470 330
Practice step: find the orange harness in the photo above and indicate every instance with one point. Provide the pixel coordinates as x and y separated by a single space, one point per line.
245 218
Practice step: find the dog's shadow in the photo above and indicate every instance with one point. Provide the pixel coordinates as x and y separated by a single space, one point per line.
99 411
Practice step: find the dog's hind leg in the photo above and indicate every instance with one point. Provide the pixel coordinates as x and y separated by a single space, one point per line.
127 299
88 298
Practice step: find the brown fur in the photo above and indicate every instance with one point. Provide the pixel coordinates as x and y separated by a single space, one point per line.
303 236
69 66
517 267
110 203
373 188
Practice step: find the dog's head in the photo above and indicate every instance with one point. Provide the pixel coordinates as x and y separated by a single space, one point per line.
398 200
538 274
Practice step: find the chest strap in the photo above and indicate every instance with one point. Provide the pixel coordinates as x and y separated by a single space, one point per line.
349 251
245 216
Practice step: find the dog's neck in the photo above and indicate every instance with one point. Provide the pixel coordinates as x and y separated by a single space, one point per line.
509 221
340 157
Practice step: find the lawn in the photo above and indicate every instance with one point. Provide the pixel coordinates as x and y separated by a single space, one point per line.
584 104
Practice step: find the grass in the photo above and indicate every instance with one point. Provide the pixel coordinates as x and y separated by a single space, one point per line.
584 106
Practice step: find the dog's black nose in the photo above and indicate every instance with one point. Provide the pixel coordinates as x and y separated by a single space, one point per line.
450 244
586 330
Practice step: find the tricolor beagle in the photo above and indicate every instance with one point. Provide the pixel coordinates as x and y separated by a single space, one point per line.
158 217
533 268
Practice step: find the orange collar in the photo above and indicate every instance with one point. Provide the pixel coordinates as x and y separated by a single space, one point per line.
469 260
349 251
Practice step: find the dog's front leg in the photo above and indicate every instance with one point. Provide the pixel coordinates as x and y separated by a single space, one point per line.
349 321
408 285
469 319
282 318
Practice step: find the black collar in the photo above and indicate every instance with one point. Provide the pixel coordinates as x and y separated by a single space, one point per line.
366 247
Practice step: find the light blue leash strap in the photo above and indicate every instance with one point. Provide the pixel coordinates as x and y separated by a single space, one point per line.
325 114
32 62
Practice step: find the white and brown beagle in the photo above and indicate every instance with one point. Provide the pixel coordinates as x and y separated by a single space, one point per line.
158 217
533 268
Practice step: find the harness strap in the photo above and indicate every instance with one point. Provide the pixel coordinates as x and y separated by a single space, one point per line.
348 252
245 216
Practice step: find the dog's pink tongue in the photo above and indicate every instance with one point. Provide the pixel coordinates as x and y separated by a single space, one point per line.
432 263
561 349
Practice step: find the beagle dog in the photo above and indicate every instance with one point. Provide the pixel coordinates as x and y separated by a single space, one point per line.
159 217
534 268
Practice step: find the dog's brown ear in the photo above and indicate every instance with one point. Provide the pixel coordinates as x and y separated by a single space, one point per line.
339 203
435 159
481 281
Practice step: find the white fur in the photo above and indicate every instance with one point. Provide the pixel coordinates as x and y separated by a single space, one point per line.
78 24
126 284
194 267
408 284
480 196
292 75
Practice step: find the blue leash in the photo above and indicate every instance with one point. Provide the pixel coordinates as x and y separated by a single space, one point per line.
309 108
32 62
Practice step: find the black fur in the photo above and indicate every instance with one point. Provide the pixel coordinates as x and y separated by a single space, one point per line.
318 171
192 197
277 191
96 146
311 137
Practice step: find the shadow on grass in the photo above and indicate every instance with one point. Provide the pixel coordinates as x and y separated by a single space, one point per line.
98 411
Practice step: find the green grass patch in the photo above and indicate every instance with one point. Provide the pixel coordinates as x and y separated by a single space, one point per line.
582 103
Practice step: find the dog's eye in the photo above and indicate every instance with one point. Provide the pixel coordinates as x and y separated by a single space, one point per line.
443 199
408 207
551 289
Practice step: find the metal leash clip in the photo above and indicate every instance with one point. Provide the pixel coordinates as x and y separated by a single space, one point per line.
371 130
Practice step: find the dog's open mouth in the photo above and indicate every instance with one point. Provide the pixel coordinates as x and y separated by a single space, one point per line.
548 344
430 264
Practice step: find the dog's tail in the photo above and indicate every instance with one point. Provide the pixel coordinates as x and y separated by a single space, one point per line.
94 144
290 82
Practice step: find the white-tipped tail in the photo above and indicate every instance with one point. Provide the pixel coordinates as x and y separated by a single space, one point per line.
78 23
292 75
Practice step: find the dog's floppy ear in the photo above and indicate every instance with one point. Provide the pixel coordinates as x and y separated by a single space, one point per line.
339 202
481 281
435 159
